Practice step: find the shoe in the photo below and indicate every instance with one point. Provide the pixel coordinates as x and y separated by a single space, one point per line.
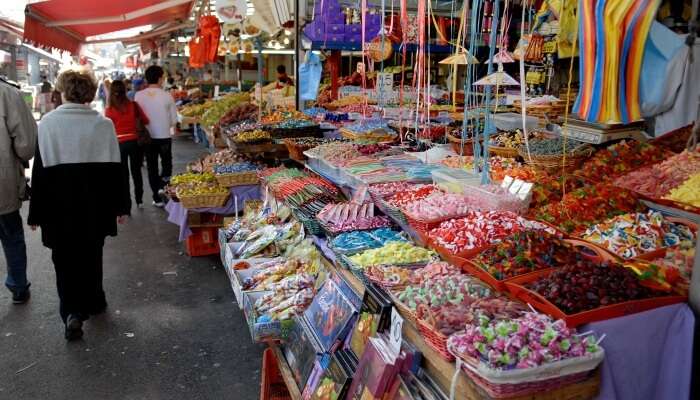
139 206
159 204
74 328
21 297
161 192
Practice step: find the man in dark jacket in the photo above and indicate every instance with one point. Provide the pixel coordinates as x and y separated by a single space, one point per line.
18 135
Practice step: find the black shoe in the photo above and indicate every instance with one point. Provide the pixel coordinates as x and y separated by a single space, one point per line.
21 297
74 328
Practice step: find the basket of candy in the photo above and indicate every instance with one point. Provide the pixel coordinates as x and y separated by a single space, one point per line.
243 173
437 322
555 153
539 354
428 213
199 190
609 290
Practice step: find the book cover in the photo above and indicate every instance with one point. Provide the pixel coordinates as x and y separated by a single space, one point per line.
329 314
365 328
301 352
334 383
374 373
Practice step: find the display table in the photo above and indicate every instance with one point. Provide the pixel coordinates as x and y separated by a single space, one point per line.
177 214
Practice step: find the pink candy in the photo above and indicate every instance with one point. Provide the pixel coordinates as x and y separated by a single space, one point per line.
437 207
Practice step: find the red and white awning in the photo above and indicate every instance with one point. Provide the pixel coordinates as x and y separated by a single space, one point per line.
65 24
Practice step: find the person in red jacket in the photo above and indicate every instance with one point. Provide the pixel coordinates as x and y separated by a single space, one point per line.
127 117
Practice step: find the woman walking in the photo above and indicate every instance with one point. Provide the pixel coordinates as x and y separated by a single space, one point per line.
78 196
128 119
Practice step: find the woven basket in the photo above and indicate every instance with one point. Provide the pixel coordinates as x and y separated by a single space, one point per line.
456 143
436 340
238 179
204 200
407 314
555 161
380 49
296 151
507 152
496 391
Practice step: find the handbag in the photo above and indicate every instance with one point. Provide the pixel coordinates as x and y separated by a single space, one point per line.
144 137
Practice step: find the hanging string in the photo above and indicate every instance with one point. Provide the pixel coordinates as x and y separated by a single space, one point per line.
403 19
469 95
523 102
565 130
485 173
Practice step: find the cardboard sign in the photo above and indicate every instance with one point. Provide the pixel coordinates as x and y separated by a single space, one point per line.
396 331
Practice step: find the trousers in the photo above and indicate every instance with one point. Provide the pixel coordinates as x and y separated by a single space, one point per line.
159 148
131 159
12 238
79 278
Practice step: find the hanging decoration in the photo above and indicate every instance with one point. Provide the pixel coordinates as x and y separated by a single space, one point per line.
613 34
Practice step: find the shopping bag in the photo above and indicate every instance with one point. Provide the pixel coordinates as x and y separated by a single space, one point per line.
310 77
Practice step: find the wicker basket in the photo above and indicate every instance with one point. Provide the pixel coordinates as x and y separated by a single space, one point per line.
407 314
204 200
507 152
456 143
553 162
238 179
436 340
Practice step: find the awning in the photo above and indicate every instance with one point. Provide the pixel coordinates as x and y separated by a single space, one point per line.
64 24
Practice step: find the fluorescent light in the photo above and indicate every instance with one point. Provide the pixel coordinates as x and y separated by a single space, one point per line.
286 40
288 32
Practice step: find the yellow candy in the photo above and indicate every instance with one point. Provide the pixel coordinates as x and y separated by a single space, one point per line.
688 192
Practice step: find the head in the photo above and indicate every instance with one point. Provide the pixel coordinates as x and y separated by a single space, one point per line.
77 86
171 80
281 71
138 84
154 75
117 96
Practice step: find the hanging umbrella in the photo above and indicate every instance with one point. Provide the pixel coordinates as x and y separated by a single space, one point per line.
461 58
502 57
499 77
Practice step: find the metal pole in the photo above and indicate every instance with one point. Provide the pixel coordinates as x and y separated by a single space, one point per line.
297 54
13 60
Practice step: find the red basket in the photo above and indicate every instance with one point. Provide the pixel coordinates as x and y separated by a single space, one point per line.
202 242
405 312
272 386
517 288
436 340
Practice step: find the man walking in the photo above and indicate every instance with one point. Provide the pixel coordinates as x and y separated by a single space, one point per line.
18 135
159 107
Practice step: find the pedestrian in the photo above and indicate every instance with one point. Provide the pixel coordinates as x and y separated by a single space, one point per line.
103 92
17 143
78 196
159 107
129 121
136 86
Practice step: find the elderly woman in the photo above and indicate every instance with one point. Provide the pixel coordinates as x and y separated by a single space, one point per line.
78 196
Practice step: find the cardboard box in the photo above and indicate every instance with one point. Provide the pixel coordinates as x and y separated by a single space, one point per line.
263 331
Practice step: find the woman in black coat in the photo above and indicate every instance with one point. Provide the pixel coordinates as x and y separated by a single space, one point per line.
78 196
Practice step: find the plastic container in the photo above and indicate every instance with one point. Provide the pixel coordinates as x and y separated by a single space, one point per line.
517 288
513 121
495 198
454 180
272 385
202 242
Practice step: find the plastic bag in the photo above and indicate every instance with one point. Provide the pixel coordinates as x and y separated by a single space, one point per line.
310 77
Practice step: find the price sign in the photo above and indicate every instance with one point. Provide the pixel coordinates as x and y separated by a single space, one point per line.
396 333
360 68
231 11
385 81
525 190
507 181
550 46
515 187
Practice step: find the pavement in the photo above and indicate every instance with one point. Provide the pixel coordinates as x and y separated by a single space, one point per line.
172 329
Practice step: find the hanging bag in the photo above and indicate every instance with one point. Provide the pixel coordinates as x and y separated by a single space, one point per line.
144 136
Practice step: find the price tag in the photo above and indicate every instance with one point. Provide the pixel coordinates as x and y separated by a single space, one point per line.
515 187
525 190
507 181
360 68
549 46
216 91
396 333
385 81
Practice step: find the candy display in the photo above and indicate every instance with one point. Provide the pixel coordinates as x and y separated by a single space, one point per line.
281 116
587 285
588 205
630 235
513 139
217 109
355 241
621 158
524 252
527 341
235 168
410 194
657 181
552 146
688 192
393 253
241 112
437 207
479 229
252 136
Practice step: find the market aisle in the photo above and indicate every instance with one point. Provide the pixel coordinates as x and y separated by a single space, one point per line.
172 330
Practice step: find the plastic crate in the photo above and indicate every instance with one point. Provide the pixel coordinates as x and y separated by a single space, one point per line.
202 242
272 386
454 180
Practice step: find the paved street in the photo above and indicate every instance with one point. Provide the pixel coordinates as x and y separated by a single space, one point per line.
172 330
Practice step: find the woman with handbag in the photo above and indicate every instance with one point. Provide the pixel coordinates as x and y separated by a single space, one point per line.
129 123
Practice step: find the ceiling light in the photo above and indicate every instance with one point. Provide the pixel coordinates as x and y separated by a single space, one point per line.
288 32
286 40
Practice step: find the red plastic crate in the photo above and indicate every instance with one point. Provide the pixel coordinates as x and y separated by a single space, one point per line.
202 242
272 386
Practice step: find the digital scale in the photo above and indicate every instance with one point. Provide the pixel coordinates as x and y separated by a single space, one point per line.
595 133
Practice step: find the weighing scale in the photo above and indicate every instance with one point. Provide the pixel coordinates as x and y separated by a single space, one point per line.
595 133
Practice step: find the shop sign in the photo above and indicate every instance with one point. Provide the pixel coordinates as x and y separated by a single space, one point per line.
231 11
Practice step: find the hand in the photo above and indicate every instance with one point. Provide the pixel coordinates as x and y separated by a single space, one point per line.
121 220
33 227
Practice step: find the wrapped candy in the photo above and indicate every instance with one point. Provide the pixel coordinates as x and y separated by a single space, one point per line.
656 181
436 207
630 235
393 253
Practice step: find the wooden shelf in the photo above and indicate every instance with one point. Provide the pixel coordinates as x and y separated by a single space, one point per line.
286 372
